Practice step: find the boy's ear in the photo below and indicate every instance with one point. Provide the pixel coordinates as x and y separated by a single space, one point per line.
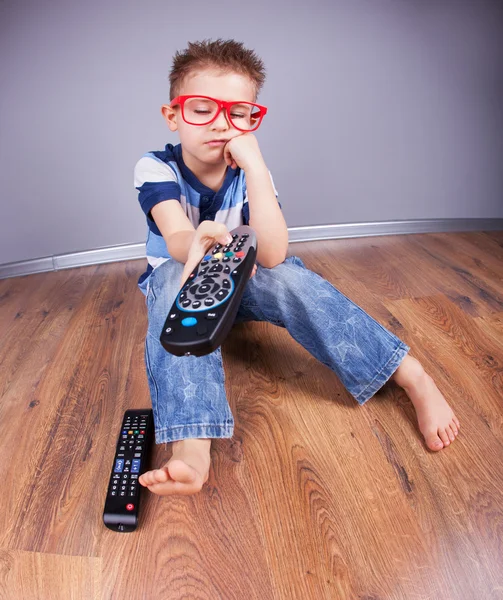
170 116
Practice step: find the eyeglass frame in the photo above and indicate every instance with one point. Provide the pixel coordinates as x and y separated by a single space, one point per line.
221 105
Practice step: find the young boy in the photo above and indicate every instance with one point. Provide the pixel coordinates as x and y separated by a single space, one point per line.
193 194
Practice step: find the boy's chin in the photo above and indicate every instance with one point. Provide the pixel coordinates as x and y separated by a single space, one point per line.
216 159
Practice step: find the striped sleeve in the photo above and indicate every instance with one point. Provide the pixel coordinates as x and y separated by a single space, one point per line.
155 181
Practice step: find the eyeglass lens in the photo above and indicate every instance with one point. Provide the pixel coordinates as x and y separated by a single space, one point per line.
200 111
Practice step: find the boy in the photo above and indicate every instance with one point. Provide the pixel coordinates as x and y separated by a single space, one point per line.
193 194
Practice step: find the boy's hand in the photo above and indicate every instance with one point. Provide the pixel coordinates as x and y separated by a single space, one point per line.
207 235
243 151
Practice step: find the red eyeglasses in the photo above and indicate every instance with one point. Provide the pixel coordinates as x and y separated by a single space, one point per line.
203 110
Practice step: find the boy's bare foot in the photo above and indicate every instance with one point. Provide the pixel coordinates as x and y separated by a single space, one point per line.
436 420
185 472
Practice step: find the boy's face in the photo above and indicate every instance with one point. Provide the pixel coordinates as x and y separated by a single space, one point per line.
194 138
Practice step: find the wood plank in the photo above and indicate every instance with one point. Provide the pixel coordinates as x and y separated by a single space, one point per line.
38 575
313 497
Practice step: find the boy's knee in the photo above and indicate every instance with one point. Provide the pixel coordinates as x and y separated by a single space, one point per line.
288 273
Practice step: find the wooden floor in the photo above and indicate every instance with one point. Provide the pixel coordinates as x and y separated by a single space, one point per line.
314 497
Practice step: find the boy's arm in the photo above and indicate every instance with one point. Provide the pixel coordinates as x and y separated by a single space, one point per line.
266 217
175 227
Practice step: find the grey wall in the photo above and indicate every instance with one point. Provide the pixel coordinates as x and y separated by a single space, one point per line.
414 89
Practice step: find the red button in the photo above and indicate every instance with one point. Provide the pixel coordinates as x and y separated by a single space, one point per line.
142 431
240 254
130 506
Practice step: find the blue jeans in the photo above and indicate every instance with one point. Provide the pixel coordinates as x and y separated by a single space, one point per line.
188 392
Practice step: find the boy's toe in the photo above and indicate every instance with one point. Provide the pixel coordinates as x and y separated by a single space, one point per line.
161 475
442 434
434 442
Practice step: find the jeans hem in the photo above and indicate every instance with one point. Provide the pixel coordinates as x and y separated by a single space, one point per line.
191 431
384 374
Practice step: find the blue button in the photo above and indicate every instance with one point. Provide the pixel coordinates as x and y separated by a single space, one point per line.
189 322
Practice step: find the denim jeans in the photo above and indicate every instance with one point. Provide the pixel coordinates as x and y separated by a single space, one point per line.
188 392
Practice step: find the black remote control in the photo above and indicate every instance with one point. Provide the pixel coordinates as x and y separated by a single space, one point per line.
131 457
205 308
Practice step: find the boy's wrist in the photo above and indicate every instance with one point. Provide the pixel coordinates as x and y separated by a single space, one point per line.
256 166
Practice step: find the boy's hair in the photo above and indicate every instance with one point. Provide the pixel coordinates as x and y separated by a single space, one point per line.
224 55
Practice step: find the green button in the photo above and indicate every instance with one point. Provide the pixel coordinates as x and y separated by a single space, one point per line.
229 254
137 431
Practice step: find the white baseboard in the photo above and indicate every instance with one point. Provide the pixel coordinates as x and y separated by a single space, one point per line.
295 234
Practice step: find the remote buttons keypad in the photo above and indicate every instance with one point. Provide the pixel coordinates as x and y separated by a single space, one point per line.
124 480
210 286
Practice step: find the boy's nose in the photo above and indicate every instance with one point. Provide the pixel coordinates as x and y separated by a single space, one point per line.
221 121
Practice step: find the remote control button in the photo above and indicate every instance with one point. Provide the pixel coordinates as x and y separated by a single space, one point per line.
204 288
196 304
215 260
204 262
226 259
186 303
234 236
201 329
207 257
212 315
245 235
219 255
216 268
203 271
209 301
189 322
240 254
215 251
222 294
236 259
130 506
229 254
218 246
226 284
173 316
227 269
183 295
215 289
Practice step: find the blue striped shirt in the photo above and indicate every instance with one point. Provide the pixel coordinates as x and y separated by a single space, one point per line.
162 175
